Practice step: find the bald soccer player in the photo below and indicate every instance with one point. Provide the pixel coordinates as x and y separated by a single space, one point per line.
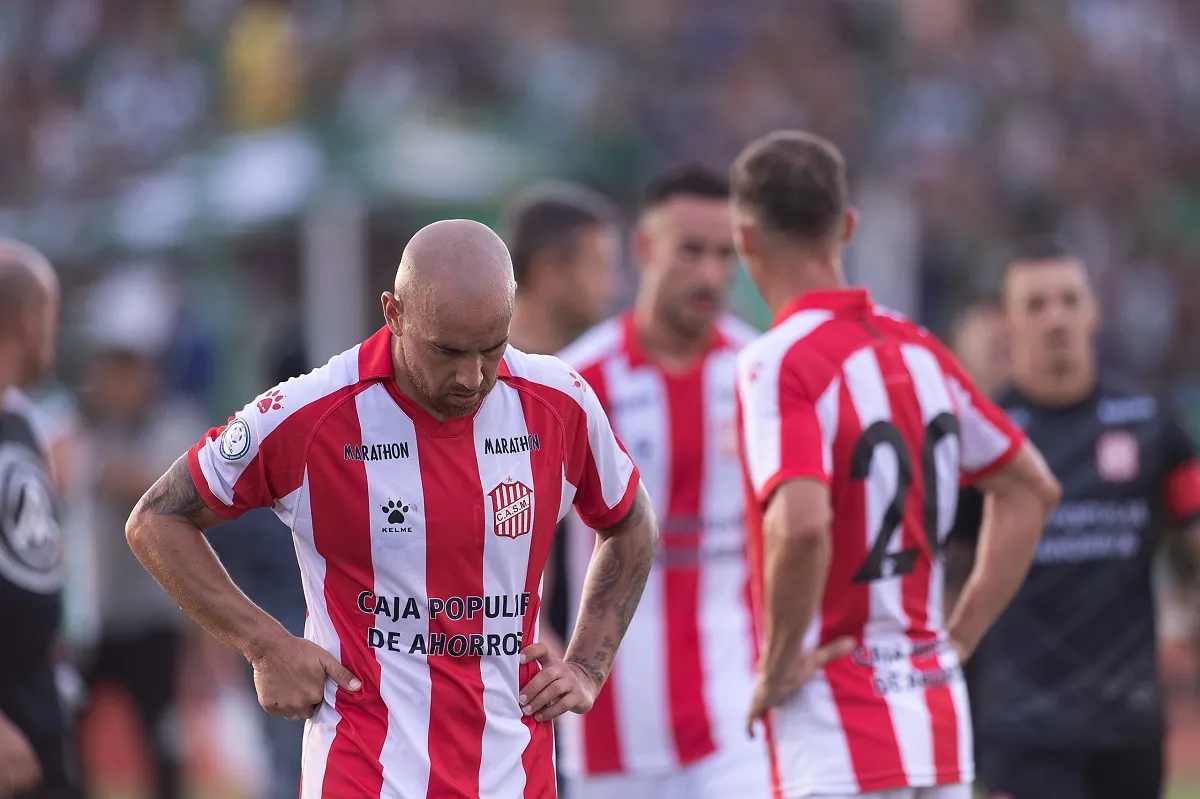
34 738
422 473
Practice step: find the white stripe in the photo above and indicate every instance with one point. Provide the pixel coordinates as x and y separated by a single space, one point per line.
318 731
758 384
505 566
398 553
887 620
811 747
982 441
724 623
641 696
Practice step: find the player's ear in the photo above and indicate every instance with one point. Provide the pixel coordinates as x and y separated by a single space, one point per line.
745 237
849 224
393 311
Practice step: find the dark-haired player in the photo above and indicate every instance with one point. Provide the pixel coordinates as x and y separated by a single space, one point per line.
668 724
856 429
35 747
1065 683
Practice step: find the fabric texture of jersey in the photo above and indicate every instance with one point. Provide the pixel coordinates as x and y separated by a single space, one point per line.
683 679
846 393
421 546
1072 662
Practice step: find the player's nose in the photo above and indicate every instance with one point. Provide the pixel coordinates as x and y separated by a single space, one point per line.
469 374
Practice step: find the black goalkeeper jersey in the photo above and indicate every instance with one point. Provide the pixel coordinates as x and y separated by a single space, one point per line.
1072 662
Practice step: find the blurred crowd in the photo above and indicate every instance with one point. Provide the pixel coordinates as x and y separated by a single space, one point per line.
965 125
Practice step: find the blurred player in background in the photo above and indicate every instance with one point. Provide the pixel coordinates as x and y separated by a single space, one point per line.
669 723
36 751
133 430
564 244
423 473
856 428
1066 682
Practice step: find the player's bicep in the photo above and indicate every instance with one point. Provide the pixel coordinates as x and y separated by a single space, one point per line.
176 494
798 509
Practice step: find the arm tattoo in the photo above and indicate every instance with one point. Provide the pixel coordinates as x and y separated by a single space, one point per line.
614 585
175 494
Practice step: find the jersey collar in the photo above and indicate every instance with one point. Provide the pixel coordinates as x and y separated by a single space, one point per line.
840 301
638 357
375 355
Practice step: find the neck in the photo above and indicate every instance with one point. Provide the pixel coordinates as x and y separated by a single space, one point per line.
536 331
797 272
9 372
664 344
1057 389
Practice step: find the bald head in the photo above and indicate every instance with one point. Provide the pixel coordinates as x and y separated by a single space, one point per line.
27 282
455 258
450 314
28 313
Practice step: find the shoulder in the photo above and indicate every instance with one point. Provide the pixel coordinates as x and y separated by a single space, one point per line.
767 352
595 346
546 376
737 333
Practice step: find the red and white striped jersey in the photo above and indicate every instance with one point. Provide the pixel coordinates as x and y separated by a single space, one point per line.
683 678
844 392
421 544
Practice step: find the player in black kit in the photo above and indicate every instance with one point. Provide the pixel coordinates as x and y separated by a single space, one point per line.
35 747
1065 684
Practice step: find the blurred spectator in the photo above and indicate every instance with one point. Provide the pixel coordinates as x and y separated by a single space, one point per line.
257 550
262 66
133 432
979 337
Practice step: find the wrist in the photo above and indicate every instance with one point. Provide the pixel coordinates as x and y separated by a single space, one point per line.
264 638
594 675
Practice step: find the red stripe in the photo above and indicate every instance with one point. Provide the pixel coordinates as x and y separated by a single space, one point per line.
845 608
341 520
538 757
681 580
453 568
773 759
915 586
600 730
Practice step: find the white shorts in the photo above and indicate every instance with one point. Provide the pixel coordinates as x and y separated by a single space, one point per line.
937 792
740 770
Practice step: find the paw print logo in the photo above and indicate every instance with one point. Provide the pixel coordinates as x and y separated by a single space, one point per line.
273 401
395 511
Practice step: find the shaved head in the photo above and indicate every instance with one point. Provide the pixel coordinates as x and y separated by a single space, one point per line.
28 311
450 311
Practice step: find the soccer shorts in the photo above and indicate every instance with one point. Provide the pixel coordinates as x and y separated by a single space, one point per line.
936 792
1018 772
735 770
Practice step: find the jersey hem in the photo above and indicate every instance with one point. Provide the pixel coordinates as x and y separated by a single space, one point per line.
621 509
787 475
211 500
890 782
971 478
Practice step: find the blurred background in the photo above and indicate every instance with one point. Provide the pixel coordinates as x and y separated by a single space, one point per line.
227 186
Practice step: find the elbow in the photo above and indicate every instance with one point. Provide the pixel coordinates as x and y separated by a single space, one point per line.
1048 490
138 529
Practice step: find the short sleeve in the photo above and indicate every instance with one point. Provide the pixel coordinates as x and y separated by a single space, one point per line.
250 462
603 474
786 434
989 439
1182 473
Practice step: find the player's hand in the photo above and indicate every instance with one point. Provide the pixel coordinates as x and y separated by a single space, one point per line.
290 675
962 650
559 687
19 768
769 693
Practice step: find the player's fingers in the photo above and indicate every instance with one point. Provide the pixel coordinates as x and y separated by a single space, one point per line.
340 674
547 696
311 711
560 706
839 647
537 683
539 652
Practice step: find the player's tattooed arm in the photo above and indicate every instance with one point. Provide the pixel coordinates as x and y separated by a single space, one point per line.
175 494
615 580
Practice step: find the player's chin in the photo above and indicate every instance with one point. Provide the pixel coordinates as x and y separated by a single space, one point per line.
461 404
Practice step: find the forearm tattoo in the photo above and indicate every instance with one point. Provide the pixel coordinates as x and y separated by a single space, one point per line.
614 585
175 494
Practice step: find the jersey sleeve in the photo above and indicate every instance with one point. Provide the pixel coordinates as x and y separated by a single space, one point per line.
989 439
250 462
602 472
786 435
1182 473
